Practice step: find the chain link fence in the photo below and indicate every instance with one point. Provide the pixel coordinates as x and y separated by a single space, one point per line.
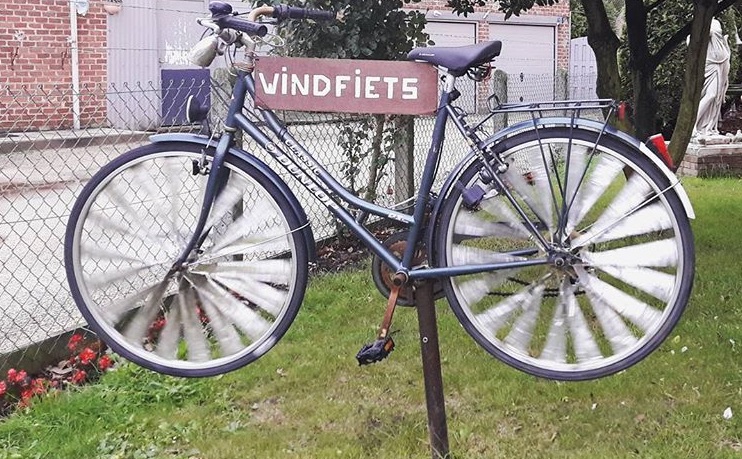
44 163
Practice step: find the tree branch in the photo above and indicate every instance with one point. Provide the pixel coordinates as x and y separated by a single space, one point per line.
681 35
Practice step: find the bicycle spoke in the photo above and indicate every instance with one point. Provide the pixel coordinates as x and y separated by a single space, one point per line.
540 204
245 225
464 255
521 334
106 278
128 215
555 349
585 346
590 189
244 318
112 255
271 240
167 343
136 330
636 311
662 253
648 219
164 211
230 196
265 296
656 283
612 326
193 333
474 290
113 312
175 185
635 192
470 224
273 271
495 317
498 209
117 226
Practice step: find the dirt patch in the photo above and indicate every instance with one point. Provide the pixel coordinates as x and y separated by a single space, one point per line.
268 411
346 251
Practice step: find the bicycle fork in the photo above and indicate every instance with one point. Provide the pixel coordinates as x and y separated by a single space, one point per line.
214 184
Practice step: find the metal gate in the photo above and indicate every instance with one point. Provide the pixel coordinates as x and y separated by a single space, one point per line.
583 70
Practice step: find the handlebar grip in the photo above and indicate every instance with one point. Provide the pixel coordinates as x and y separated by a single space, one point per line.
283 12
242 25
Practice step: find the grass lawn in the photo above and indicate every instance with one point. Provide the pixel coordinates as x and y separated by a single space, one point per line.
308 398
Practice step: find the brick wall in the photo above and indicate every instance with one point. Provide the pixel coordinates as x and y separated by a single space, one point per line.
560 9
35 72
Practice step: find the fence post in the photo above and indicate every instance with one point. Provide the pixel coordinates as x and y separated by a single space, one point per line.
500 90
404 160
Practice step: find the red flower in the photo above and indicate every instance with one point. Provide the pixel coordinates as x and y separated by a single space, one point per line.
26 394
16 377
87 355
79 376
104 363
37 386
3 388
74 341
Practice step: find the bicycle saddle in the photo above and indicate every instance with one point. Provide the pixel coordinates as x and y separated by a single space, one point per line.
457 59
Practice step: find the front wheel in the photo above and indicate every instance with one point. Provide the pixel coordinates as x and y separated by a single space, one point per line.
595 247
231 300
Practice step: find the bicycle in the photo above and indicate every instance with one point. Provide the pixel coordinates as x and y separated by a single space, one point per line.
189 256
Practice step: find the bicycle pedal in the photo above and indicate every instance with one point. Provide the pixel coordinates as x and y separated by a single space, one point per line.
376 351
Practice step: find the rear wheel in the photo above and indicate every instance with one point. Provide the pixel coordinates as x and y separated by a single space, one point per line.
596 250
233 298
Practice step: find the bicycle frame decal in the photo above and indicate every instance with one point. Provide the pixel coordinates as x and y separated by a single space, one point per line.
341 85
303 178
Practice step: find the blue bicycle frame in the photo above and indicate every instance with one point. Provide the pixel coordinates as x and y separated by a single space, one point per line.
323 186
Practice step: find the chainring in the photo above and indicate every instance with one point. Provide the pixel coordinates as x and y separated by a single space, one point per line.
383 275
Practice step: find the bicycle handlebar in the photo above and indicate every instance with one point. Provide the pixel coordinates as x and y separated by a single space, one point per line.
283 12
242 25
224 18
230 28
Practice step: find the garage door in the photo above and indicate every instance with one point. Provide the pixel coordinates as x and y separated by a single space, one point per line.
528 57
457 34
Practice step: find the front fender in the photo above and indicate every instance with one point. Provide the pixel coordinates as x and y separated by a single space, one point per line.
262 168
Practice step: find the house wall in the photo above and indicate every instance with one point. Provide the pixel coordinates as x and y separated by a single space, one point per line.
36 60
492 14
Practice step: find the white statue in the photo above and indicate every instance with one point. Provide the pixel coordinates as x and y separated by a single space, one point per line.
715 85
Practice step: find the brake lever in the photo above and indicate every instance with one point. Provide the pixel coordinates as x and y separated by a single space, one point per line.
209 24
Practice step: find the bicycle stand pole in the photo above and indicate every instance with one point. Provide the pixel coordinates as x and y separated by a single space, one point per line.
437 428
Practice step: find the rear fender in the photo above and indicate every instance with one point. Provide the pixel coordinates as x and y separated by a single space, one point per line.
540 123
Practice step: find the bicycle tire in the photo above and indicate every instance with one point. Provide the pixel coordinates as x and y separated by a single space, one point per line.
236 296
626 246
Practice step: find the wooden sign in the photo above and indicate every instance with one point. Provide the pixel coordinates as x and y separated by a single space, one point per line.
346 86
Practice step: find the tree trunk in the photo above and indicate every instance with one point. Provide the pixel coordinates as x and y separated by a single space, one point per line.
373 167
641 66
703 13
605 44
645 104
